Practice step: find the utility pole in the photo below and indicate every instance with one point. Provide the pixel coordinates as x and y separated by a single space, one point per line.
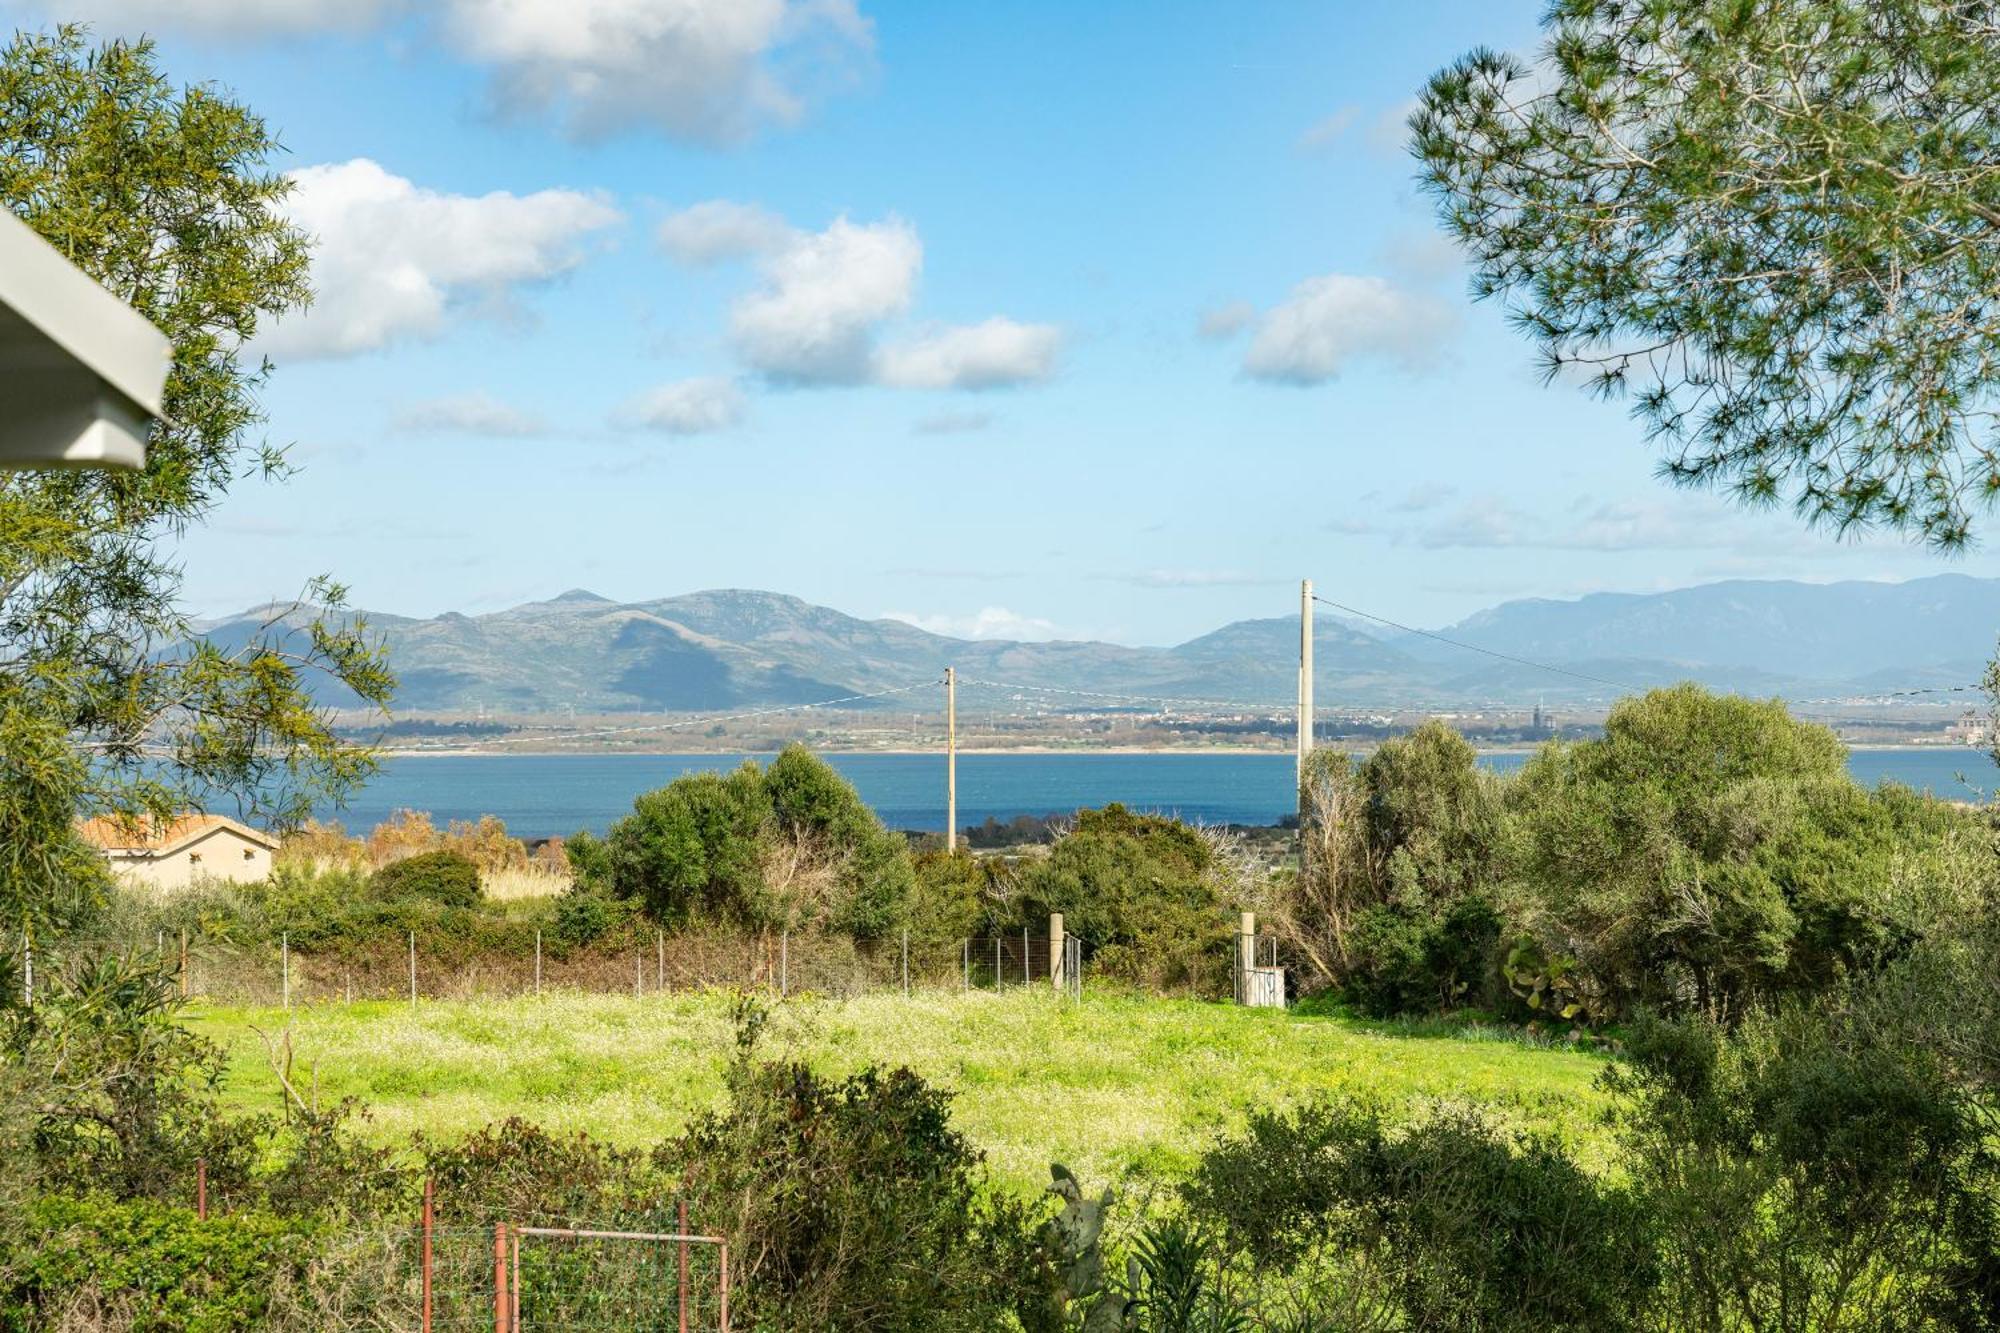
1305 686
950 759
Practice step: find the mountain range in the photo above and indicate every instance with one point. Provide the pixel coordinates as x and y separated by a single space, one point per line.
731 649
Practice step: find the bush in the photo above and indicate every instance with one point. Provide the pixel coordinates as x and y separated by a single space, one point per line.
1149 896
1451 1223
1710 852
790 847
855 1204
152 1267
444 878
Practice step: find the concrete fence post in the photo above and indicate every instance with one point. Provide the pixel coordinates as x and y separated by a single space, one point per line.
1056 968
285 967
538 962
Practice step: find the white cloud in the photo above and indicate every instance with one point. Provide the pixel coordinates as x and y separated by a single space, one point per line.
990 622
1226 320
471 414
712 71
997 353
227 18
394 260
823 299
690 407
1324 133
1330 321
721 229
1424 495
813 321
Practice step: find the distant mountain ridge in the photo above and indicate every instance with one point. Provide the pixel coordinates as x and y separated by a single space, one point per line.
732 648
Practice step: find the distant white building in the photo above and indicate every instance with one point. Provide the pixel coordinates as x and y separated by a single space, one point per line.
176 853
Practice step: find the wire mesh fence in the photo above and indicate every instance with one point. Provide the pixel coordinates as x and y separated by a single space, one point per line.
416 966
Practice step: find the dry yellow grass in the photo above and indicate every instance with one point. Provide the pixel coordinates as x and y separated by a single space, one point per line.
529 881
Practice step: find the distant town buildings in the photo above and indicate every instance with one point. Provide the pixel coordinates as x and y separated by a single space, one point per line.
173 854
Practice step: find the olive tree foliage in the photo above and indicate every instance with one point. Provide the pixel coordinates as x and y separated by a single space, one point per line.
1776 223
109 702
789 847
1710 852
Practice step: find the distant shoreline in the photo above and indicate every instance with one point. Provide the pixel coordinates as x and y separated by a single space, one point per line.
1043 751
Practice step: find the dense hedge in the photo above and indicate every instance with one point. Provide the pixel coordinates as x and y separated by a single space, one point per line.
154 1267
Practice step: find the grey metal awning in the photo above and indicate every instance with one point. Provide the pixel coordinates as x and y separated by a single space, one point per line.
81 373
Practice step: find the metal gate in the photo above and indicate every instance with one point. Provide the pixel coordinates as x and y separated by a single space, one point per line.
566 1278
1259 981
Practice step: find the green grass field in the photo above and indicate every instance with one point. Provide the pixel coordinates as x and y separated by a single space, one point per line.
1113 1086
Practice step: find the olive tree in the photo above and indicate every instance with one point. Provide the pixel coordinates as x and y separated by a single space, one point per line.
109 701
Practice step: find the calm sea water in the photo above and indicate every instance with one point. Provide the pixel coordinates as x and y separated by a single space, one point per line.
544 795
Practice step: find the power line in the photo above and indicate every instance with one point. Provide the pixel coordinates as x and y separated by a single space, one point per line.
1475 648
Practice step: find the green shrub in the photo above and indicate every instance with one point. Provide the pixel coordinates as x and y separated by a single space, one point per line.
1452 1223
791 847
444 878
154 1264
856 1205
1149 896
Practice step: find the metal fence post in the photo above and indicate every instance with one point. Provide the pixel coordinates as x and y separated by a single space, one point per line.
538 962
430 1218
285 966
681 1225
28 970
500 1306
965 959
997 978
639 977
1027 959
660 969
906 964
784 969
184 962
413 969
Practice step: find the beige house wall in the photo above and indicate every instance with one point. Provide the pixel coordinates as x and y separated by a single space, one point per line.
219 854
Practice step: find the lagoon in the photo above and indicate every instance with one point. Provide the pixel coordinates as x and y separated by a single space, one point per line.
546 795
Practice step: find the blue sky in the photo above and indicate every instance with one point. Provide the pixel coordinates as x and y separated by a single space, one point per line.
1035 319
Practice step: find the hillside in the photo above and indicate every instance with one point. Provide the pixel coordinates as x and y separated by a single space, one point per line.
737 648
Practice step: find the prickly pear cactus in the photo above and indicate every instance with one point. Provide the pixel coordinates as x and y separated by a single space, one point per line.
1075 1235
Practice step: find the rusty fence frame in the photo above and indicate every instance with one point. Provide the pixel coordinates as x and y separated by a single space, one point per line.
507 1238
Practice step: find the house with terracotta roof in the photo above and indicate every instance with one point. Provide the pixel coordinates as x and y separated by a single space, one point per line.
171 854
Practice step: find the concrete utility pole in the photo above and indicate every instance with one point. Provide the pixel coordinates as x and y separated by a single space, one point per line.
950 759
1305 682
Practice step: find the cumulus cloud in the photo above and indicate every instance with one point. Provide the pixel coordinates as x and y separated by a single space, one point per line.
471 414
997 353
990 622
1226 320
394 260
710 71
690 407
1331 321
823 300
227 18
721 229
813 320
